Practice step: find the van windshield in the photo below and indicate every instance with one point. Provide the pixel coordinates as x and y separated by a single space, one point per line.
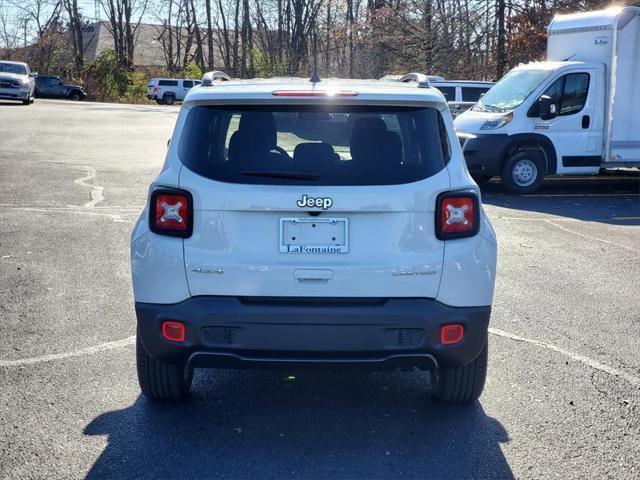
511 91
313 144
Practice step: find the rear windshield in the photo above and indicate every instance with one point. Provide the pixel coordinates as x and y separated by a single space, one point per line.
311 145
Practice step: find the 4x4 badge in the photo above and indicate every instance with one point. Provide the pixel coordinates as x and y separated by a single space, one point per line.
309 202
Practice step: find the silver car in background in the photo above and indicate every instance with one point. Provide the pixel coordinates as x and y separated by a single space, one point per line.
16 82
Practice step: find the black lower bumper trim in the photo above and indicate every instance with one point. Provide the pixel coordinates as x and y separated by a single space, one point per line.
378 333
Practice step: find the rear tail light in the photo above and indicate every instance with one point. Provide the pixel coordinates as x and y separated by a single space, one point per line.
155 89
173 331
450 334
171 213
457 215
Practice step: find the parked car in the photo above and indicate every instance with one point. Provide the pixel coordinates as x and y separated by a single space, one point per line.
16 82
461 95
166 91
576 113
48 86
331 224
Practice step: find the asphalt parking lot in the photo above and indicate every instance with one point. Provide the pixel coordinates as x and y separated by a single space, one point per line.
563 392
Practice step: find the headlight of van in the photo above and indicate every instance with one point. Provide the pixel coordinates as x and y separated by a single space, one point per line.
497 123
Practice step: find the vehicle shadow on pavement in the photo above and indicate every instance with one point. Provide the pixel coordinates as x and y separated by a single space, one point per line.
609 199
252 424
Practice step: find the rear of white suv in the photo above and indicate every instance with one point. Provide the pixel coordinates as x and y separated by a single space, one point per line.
328 224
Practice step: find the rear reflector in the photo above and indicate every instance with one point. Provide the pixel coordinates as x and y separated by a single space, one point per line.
171 213
450 334
173 331
314 93
457 215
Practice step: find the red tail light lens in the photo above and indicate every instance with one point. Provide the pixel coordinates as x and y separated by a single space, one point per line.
457 215
155 89
173 331
171 213
450 334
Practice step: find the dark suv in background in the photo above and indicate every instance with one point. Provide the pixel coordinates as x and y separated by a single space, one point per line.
52 87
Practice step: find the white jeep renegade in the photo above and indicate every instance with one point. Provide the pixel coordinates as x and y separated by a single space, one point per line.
313 224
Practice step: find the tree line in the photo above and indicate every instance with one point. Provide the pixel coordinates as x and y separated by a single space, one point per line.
462 39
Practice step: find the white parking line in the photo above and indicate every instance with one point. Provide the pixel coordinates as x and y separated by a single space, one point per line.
589 237
125 342
96 190
633 380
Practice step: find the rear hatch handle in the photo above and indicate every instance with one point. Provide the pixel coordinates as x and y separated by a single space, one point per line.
313 277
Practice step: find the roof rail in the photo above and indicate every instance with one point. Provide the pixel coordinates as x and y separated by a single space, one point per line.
210 77
420 78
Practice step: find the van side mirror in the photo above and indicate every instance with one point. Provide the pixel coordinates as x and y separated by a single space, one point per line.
548 109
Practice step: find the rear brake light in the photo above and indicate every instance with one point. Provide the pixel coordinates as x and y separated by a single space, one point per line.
171 213
457 215
314 93
155 89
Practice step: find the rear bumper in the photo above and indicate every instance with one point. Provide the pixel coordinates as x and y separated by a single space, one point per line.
252 332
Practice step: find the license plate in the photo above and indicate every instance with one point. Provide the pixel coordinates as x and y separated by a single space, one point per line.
314 235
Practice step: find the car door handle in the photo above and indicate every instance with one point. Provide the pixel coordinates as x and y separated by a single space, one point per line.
586 121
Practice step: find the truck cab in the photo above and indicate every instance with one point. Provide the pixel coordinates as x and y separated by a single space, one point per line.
572 114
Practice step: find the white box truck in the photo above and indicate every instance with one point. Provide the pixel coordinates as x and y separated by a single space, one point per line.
575 113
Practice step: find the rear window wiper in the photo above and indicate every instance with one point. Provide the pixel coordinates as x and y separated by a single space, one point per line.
282 174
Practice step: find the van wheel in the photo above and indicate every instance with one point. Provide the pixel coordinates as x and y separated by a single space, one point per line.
462 384
159 380
159 101
523 172
75 96
169 99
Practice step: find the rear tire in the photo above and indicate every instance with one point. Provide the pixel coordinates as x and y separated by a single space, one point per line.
462 384
168 99
523 172
159 101
75 96
159 380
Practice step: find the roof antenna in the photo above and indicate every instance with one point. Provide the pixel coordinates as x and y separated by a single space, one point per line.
315 78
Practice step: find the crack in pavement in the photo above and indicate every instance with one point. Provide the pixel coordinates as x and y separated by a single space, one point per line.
96 190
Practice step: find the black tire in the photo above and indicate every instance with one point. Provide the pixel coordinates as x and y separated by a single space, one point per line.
159 101
462 384
27 101
169 99
523 172
481 179
159 380
75 96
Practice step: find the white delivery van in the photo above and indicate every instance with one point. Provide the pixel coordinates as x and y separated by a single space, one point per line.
575 113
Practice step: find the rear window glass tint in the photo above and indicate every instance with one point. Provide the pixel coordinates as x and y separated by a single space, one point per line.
449 93
168 83
187 83
308 145
473 94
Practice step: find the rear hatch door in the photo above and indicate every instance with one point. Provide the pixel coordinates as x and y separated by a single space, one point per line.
298 202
